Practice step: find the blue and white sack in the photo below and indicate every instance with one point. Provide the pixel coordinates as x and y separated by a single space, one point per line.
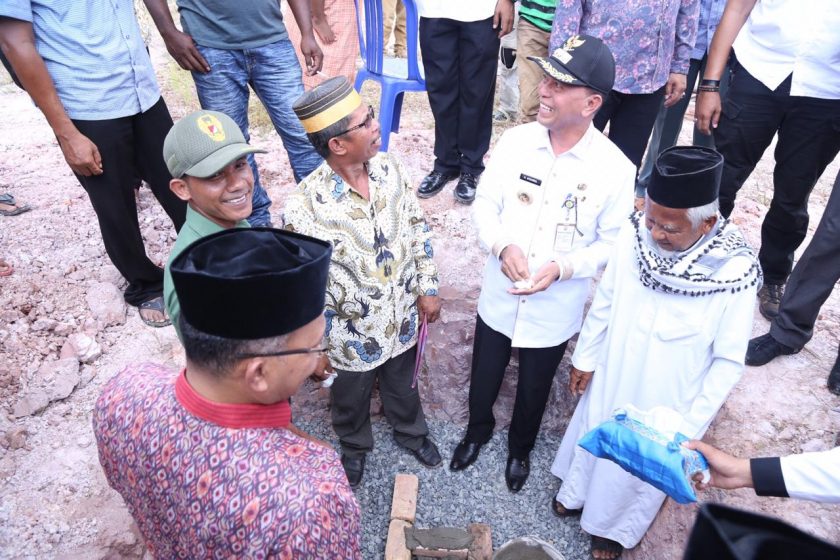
647 445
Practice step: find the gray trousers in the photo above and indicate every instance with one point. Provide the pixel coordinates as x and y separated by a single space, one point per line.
350 397
812 279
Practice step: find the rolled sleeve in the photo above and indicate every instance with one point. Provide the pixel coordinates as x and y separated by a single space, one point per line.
16 9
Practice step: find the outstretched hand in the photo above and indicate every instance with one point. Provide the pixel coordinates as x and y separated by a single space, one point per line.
727 472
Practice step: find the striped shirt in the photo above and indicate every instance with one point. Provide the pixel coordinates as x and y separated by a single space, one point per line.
94 52
540 13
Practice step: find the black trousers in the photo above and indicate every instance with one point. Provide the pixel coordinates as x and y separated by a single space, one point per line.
537 366
812 280
631 117
350 396
460 61
131 149
809 139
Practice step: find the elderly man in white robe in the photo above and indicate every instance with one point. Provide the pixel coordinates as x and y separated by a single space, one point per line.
668 326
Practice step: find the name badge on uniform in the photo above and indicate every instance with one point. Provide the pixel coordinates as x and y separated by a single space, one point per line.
564 237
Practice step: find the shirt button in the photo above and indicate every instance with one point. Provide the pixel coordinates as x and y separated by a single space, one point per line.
524 300
533 254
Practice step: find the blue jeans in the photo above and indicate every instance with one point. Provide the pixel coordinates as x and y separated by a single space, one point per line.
274 73
669 122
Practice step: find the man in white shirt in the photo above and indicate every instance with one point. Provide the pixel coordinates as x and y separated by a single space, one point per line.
460 45
785 81
668 326
551 202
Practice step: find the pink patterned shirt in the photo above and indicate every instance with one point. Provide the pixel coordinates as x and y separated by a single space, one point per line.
209 480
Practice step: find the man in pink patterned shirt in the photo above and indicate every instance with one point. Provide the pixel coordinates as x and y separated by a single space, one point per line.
207 460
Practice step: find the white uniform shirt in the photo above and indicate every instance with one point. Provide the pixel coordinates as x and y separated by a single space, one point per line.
803 37
459 10
813 476
525 195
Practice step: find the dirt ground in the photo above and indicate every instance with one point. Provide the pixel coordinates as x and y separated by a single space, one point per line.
55 502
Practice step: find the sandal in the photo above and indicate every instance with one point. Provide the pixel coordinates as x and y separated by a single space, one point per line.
560 510
606 545
9 200
154 304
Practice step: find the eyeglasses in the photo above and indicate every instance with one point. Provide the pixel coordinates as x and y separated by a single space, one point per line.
366 123
320 349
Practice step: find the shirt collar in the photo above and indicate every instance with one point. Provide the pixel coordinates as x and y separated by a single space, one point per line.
204 226
580 150
236 416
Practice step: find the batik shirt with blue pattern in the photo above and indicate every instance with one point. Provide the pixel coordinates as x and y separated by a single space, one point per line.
381 260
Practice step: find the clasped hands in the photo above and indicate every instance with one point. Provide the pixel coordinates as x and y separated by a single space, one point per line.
515 267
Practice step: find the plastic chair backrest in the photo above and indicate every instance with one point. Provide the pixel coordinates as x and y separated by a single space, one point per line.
372 41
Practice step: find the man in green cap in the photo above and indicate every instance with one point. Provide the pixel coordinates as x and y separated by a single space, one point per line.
206 154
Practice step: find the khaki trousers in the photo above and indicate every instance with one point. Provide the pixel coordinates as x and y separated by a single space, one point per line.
530 41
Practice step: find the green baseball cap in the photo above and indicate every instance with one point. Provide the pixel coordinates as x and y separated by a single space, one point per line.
202 143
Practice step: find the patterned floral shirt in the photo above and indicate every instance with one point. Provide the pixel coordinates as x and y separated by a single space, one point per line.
381 261
210 480
648 38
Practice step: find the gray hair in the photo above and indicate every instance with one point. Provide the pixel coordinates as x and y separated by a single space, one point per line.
218 355
321 140
699 214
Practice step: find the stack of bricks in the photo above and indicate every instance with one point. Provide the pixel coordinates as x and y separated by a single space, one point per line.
403 512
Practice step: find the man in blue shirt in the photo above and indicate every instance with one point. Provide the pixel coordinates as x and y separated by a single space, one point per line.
85 66
229 46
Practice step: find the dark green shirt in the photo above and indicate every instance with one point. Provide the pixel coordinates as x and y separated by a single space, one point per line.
232 25
539 13
196 227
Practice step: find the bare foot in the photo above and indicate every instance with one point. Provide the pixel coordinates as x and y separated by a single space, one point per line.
605 549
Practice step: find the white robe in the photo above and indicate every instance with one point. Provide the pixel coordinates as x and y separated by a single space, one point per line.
813 476
648 349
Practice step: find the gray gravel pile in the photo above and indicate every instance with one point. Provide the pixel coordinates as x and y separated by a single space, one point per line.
477 495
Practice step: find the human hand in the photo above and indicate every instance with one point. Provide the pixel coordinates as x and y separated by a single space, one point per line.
514 263
429 308
542 279
182 48
322 370
727 472
81 154
707 111
323 29
674 89
312 55
503 17
579 380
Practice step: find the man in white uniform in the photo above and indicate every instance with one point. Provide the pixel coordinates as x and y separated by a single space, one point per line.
551 202
668 326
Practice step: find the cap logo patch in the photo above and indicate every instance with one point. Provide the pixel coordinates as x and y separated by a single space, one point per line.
573 42
210 125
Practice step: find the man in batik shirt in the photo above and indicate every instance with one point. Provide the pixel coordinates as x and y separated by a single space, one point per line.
207 460
383 283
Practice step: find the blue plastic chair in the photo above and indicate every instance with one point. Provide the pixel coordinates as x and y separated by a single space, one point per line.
395 75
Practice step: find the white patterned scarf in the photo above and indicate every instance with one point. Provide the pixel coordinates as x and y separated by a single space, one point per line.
690 272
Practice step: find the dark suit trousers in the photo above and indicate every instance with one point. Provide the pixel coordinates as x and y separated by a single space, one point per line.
460 61
537 366
812 279
350 397
809 139
131 149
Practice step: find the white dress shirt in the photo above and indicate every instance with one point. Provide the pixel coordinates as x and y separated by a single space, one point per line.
524 194
460 10
802 37
813 476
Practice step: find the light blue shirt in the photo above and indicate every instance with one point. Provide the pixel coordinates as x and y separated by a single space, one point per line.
94 53
710 13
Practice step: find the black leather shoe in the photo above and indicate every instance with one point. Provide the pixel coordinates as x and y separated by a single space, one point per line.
516 473
769 299
834 380
465 189
433 183
428 453
464 455
765 348
354 468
